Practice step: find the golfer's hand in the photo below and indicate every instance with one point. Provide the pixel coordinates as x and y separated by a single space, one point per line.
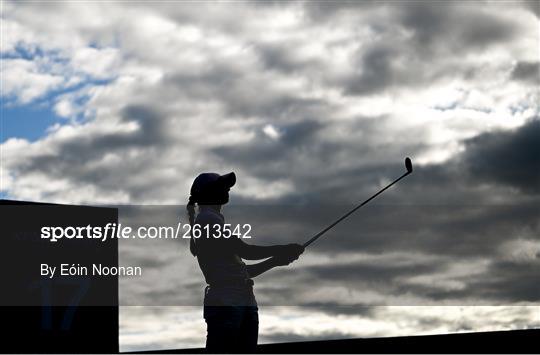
290 251
295 250
283 260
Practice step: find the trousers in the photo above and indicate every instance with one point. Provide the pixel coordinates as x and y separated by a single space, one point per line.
232 320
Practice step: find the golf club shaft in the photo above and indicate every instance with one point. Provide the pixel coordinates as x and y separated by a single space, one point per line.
315 237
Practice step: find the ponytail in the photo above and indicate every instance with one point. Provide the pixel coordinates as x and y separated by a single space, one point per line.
191 214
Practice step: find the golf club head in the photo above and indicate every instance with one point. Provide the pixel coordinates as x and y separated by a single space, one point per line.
408 164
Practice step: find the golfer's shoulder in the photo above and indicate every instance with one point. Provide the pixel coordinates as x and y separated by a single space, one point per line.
208 216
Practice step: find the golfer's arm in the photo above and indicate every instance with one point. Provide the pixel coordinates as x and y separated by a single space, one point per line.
256 252
255 270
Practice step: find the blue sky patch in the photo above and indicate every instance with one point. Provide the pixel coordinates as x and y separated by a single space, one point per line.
29 122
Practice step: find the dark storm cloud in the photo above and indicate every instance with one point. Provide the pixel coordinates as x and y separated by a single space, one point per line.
383 66
533 6
281 337
436 33
303 148
456 215
278 56
330 10
235 89
455 25
378 72
504 282
367 272
455 223
468 230
508 158
510 282
295 139
440 31
150 122
454 230
446 26
527 71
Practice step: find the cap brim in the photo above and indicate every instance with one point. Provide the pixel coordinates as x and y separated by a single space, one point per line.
228 180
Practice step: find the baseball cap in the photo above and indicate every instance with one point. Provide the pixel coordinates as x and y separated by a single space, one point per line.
212 180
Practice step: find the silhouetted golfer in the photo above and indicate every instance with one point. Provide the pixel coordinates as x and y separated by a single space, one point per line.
230 308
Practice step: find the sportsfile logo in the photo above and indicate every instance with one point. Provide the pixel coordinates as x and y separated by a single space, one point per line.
119 231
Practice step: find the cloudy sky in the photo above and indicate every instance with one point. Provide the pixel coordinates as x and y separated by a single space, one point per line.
314 106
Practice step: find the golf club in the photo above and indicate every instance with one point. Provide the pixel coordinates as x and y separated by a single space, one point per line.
408 166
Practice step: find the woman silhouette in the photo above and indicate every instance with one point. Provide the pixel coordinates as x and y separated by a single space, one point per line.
230 308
